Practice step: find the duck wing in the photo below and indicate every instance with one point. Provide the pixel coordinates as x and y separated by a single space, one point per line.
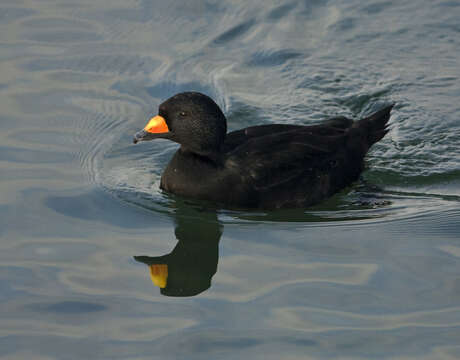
333 126
239 137
294 165
268 159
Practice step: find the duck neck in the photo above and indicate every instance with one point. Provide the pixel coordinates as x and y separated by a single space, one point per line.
212 157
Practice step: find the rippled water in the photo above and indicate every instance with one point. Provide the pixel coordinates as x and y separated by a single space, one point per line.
374 272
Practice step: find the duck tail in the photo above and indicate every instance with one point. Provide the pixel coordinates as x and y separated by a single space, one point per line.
376 124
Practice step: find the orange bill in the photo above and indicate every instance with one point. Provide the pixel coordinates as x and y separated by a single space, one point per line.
157 125
159 274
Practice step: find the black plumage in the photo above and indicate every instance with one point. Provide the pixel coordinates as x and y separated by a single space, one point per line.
266 166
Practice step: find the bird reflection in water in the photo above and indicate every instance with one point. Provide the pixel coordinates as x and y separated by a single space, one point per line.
188 269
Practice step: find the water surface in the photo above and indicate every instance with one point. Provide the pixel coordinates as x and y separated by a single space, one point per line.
371 273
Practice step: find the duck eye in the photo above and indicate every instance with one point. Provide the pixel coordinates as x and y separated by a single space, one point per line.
182 113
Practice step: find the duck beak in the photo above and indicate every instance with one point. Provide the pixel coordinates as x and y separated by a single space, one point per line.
154 129
159 274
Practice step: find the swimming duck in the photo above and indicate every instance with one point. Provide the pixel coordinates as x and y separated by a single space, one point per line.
267 166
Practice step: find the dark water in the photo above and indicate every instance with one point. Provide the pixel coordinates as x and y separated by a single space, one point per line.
372 273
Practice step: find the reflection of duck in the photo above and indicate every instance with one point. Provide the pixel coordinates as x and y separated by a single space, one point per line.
188 269
268 166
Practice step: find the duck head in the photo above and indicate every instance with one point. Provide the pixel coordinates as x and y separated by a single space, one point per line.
191 119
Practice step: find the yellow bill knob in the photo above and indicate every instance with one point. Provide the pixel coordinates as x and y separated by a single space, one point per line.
157 125
159 274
